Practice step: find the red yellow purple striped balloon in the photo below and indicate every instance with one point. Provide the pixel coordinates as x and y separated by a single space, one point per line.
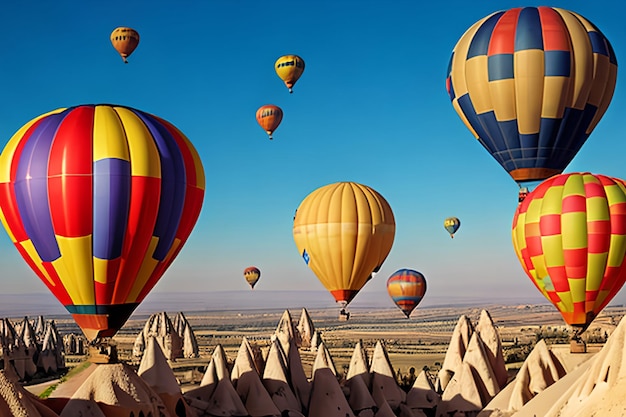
99 200
531 84
570 237
406 287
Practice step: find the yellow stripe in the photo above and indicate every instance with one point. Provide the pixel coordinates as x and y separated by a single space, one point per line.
109 138
566 301
147 266
597 209
457 69
100 268
617 250
529 75
578 289
596 265
574 230
583 64
502 93
478 83
75 268
457 108
34 256
144 155
553 100
606 97
552 202
552 251
6 157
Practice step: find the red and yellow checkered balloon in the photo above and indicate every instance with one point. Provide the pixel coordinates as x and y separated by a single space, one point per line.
570 237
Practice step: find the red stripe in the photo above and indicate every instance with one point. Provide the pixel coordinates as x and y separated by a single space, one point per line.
574 204
142 214
576 262
503 36
558 276
58 290
550 224
594 189
554 32
70 174
618 223
104 292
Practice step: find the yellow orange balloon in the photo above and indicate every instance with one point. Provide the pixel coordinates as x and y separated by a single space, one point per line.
125 40
344 231
289 68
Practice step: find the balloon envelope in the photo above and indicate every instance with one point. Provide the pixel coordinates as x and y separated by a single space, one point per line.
99 200
289 68
531 84
570 237
252 275
344 231
269 118
451 224
125 40
406 287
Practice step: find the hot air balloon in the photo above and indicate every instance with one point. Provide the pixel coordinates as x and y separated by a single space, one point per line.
531 84
406 287
125 40
289 68
99 200
269 117
452 224
343 231
252 275
570 237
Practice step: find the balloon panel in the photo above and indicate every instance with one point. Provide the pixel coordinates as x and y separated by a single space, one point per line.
344 231
99 200
570 237
531 84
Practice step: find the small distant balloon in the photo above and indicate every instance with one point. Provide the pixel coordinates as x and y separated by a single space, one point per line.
252 275
125 40
289 68
406 287
452 224
269 118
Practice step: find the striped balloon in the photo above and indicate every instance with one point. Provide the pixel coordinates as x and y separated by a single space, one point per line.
531 84
99 200
570 237
406 288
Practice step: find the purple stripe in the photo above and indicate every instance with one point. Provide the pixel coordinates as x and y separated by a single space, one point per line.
31 187
173 185
528 34
479 45
111 202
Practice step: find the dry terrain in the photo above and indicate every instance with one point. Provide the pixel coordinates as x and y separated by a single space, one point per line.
418 342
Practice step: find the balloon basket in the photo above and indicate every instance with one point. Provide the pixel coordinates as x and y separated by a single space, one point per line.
344 315
102 352
577 346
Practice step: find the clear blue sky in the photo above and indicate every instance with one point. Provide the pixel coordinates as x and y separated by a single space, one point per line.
371 107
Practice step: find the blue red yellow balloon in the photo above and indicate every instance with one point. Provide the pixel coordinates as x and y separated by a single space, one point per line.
451 224
252 274
99 200
125 41
531 84
269 117
570 237
406 287
344 231
289 68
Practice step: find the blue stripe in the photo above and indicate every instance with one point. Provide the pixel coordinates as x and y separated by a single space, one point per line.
500 67
612 57
31 187
480 42
528 33
173 185
557 63
111 203
598 43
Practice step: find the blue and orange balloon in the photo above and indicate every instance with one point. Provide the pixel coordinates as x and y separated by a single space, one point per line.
406 287
99 200
451 224
531 84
